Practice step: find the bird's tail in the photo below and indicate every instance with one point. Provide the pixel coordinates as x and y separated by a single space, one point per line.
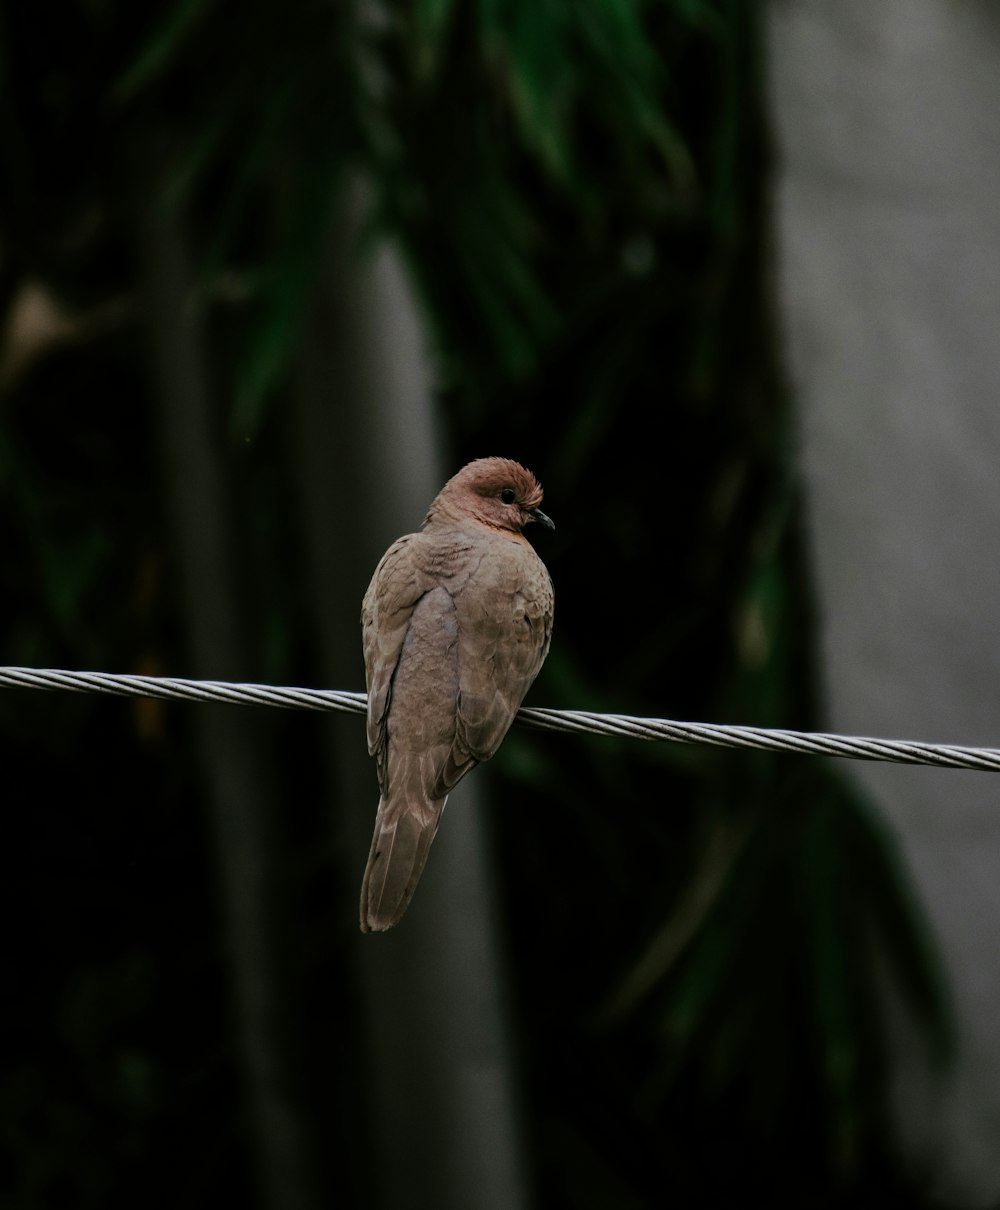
402 840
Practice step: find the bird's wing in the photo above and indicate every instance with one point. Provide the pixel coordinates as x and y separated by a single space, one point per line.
505 625
418 736
395 589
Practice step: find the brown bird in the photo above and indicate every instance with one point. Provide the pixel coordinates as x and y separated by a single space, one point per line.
456 623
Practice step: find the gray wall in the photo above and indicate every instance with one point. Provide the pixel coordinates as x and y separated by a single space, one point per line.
887 115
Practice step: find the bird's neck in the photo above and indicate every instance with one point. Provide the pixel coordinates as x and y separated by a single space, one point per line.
442 518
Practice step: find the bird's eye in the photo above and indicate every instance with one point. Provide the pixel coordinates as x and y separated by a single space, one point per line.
508 495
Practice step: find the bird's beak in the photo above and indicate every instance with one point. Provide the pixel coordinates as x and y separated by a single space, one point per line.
536 514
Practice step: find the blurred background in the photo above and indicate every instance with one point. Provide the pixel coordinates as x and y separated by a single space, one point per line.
723 273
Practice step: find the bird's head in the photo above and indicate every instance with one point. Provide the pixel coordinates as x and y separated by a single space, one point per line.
494 491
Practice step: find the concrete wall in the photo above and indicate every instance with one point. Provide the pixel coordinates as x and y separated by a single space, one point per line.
887 116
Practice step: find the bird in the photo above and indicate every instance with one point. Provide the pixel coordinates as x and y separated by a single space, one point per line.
456 624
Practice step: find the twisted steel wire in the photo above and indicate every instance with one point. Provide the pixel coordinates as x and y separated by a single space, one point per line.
907 752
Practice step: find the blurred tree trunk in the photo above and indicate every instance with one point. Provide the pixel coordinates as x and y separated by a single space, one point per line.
436 1060
237 770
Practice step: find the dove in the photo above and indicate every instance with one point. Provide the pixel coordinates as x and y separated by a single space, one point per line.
455 625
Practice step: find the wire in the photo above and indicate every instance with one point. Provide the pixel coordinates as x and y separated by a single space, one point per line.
951 756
